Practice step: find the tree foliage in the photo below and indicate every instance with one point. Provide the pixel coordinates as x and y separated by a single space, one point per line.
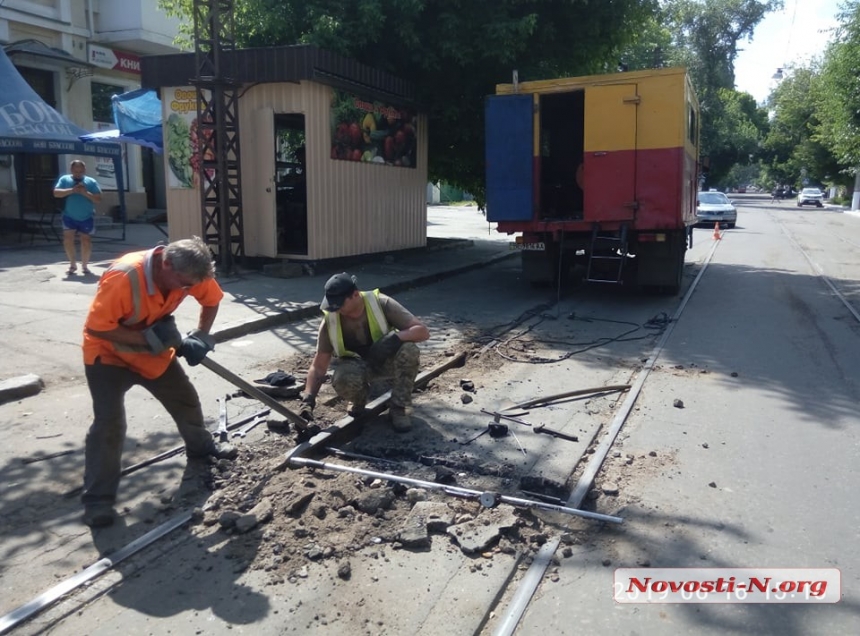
839 99
704 36
455 52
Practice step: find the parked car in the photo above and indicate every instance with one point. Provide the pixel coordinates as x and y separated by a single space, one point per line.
812 196
715 207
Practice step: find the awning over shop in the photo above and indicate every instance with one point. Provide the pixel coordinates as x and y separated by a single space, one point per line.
28 124
137 115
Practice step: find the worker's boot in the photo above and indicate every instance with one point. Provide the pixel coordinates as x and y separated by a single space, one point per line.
224 450
357 409
400 421
99 515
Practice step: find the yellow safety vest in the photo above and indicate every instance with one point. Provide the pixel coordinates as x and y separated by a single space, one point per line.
375 320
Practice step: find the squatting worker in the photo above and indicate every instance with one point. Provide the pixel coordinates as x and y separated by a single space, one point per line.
372 336
81 193
131 338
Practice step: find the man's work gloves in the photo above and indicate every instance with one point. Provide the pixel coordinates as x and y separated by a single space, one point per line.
162 335
383 349
307 410
195 346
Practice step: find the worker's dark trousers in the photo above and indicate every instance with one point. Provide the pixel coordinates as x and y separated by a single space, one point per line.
108 385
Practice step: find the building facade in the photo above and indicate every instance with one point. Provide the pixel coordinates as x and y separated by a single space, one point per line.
76 54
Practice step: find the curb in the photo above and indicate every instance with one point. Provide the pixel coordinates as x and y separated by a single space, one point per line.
312 309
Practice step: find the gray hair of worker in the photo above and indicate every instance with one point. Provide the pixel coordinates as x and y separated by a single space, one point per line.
190 257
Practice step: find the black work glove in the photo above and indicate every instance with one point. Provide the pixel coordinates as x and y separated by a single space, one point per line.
163 334
307 410
195 346
383 349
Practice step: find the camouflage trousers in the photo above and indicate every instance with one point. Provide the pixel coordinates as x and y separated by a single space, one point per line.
352 377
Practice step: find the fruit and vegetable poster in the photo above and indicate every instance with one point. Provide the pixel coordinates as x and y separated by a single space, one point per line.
372 132
181 140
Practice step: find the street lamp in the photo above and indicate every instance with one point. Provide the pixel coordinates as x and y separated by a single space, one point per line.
778 75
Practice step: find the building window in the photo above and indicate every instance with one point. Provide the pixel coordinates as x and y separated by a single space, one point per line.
102 93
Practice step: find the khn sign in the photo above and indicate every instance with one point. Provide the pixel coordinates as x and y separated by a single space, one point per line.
115 60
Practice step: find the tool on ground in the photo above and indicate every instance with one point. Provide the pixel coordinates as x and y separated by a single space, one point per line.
242 432
455 491
469 441
497 430
221 433
33 460
537 429
517 440
499 416
548 431
351 455
544 401
255 393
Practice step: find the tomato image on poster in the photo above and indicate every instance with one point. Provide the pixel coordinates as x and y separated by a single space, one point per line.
372 131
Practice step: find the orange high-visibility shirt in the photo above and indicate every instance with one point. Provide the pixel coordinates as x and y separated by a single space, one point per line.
127 295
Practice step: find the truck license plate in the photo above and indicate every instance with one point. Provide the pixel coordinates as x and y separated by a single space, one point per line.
537 247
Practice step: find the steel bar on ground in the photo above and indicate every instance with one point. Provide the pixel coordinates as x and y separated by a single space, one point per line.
452 490
255 393
351 455
98 568
559 396
33 460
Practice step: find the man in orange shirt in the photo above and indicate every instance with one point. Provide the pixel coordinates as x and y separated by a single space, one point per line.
130 338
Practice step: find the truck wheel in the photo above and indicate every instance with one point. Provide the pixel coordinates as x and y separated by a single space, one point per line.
540 268
675 287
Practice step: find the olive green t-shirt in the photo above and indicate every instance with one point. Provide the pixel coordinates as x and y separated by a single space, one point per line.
356 331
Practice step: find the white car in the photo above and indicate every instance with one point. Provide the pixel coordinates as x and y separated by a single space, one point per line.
715 207
812 196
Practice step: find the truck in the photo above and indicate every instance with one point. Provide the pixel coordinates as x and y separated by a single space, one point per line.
596 174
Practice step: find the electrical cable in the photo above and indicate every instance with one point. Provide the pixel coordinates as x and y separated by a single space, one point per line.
506 348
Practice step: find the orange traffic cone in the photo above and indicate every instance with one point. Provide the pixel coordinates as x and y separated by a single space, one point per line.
717 236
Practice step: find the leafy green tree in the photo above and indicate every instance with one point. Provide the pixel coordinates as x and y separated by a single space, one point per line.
704 37
740 127
454 51
839 98
796 150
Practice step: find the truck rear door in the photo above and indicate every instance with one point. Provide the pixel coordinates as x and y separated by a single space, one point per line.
509 134
610 152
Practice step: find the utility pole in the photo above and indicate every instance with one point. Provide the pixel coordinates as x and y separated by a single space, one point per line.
219 165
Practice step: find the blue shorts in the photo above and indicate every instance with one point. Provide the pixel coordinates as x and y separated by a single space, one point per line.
84 227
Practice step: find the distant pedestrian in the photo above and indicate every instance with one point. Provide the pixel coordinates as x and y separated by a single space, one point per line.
81 194
778 193
373 337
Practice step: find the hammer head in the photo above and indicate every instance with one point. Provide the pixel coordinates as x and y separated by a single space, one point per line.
498 430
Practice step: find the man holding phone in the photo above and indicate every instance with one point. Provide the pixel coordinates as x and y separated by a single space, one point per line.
81 194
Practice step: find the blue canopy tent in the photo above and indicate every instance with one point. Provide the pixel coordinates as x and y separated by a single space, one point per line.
29 125
137 115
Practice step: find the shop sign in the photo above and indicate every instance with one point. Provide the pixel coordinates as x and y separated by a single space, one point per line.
181 146
104 57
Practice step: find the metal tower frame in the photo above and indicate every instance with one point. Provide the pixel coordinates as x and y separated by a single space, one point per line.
218 158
